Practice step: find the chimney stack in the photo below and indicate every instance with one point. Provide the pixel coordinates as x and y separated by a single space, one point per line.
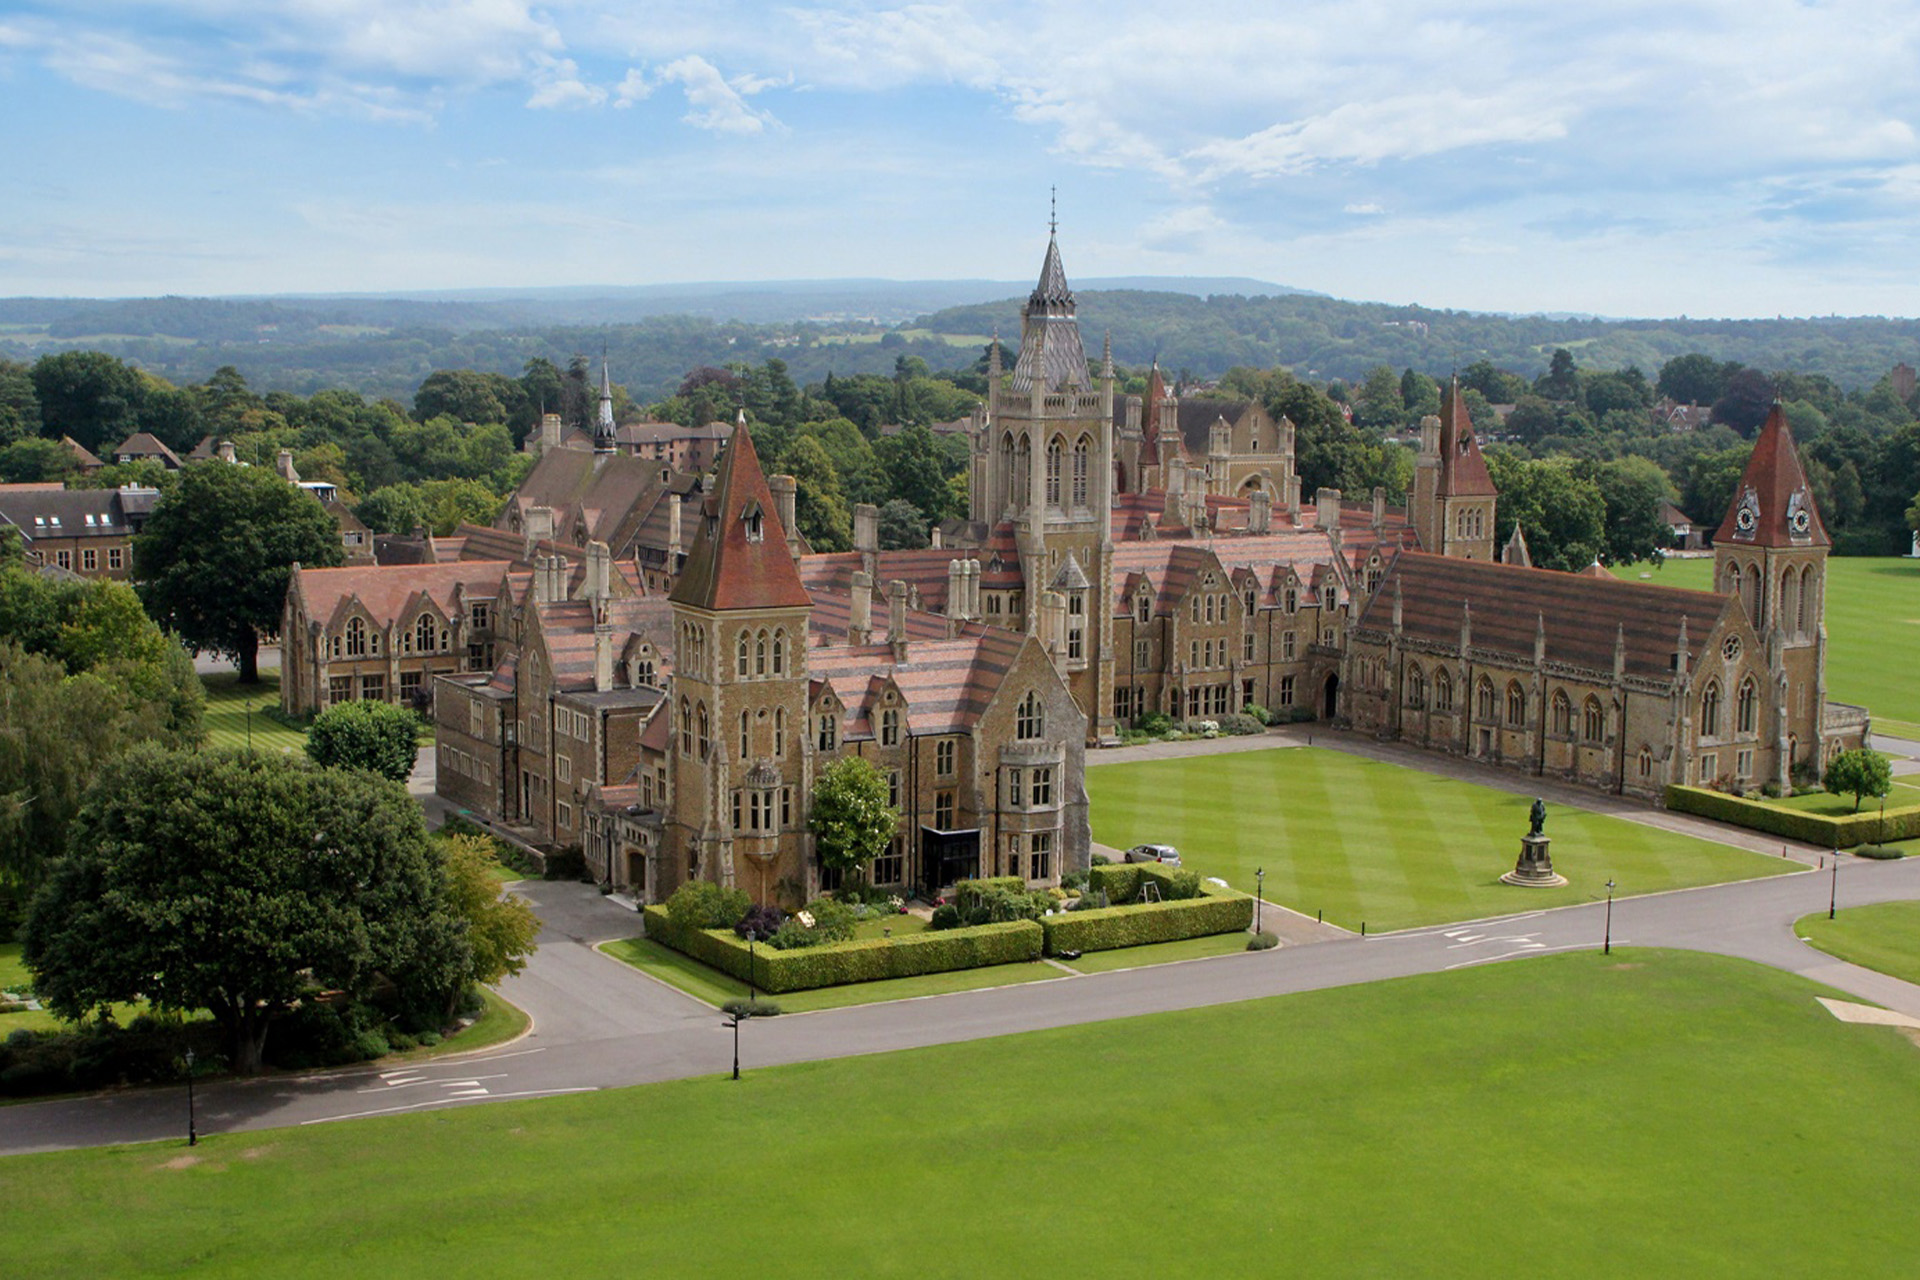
897 618
598 585
1326 503
1379 508
674 548
860 609
785 490
225 450
539 528
866 535
1259 512
283 463
602 647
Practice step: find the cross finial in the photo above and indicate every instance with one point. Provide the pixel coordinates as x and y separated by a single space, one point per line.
1053 210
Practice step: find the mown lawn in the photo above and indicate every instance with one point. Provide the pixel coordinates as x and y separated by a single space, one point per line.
226 716
1649 1114
1377 843
1873 629
1885 937
1905 793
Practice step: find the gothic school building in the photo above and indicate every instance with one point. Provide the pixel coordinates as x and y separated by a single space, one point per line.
668 713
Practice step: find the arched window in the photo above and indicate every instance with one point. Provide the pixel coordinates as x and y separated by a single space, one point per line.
1789 597
1562 713
1442 690
1593 718
1749 706
1329 597
1030 720
1750 595
1054 455
1646 761
779 733
890 727
1416 687
780 652
423 634
1293 598
686 727
702 730
1022 470
742 656
1710 709
1143 606
1805 607
1082 459
760 655
356 638
746 749
1247 602
1516 705
1483 699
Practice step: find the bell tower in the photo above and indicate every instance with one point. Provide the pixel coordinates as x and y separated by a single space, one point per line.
1050 474
1771 553
1453 495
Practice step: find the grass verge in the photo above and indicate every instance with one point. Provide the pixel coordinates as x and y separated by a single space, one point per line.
1539 1117
1393 847
1884 937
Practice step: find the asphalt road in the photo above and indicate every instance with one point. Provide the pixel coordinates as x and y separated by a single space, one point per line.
599 1024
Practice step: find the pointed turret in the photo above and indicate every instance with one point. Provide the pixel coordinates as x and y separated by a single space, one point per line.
1773 505
1516 552
603 424
1052 357
739 558
1463 469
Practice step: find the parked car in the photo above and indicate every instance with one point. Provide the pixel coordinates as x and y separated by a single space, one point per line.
1165 854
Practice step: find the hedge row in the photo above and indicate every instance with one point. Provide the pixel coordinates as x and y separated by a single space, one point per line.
1216 910
1124 882
834 963
1842 832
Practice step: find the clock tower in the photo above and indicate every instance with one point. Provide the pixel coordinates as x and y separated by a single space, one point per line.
1771 553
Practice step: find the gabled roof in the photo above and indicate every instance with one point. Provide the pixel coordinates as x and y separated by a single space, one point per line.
945 684
386 591
1582 615
81 453
1775 487
1463 469
729 567
144 444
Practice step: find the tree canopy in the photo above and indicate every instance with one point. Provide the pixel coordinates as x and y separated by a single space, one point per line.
215 558
1859 773
851 821
379 737
239 883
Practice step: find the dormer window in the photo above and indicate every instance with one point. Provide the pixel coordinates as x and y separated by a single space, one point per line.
752 518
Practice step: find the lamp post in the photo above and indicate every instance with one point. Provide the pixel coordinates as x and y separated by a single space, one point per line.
752 994
193 1134
1833 886
733 1020
1606 945
1259 895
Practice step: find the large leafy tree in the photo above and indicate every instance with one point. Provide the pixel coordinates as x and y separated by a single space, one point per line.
1632 489
1563 516
851 821
239 883
89 395
214 560
820 508
380 737
1859 773
500 929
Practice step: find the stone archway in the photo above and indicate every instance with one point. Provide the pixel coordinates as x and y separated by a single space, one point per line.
1330 699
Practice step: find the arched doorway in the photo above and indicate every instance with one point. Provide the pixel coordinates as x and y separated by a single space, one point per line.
1332 699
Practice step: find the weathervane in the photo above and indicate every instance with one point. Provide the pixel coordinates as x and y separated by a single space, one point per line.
1053 210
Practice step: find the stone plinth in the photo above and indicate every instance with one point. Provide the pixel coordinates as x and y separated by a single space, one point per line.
1535 867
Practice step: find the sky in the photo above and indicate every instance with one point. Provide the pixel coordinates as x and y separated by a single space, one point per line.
1626 158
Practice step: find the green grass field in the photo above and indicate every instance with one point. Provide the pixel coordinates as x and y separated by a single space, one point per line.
1392 847
1904 793
227 720
1885 937
1873 629
1651 1114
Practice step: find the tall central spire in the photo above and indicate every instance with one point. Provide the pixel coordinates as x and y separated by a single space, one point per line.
1051 353
603 424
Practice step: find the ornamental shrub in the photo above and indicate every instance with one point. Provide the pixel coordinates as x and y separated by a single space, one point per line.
761 921
945 916
1255 711
1152 722
1240 725
702 904
1262 942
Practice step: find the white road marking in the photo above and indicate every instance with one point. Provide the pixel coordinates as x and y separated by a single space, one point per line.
438 1102
404 1084
1535 949
470 1093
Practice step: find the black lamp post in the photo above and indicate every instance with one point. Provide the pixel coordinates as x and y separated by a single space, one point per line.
734 1020
193 1134
752 994
1606 946
1259 895
1833 886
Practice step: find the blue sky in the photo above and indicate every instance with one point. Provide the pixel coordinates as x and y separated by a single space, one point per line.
1746 157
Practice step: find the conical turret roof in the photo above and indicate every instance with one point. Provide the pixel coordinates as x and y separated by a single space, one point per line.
1463 469
739 558
1773 505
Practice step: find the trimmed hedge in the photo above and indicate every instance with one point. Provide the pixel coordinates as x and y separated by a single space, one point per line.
1124 882
834 963
1843 832
1216 910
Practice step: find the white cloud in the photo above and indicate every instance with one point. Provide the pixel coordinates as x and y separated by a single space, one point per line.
557 83
712 102
634 88
1367 208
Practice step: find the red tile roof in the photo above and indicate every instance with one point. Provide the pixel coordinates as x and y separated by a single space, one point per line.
1779 491
1464 470
385 591
728 567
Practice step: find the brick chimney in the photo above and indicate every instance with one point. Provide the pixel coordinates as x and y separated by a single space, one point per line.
860 609
785 490
897 618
